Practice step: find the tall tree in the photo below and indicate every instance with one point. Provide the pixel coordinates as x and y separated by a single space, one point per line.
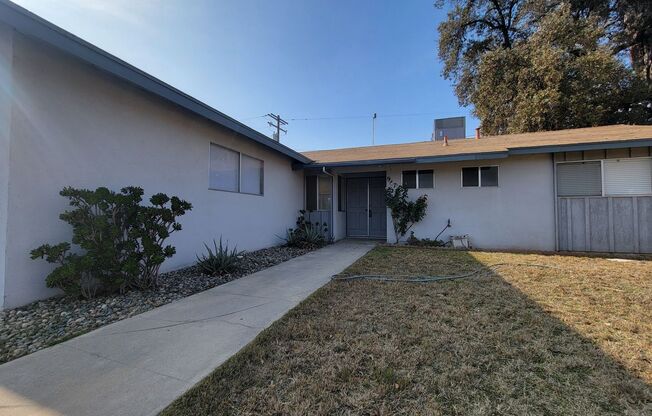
527 65
628 27
473 28
635 20
562 77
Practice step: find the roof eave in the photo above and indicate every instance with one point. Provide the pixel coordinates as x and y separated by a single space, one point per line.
579 147
488 155
32 25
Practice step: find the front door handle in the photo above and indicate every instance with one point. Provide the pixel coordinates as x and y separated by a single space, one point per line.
369 213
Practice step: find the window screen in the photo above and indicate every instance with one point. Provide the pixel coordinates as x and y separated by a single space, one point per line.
252 175
579 179
628 177
325 193
489 176
224 169
311 193
425 179
410 179
470 177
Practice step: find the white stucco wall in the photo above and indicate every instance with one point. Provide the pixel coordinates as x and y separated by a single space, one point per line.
518 214
73 125
6 57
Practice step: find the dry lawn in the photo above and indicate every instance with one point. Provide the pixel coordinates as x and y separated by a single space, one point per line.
575 339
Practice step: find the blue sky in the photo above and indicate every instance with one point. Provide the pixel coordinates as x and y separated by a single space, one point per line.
336 60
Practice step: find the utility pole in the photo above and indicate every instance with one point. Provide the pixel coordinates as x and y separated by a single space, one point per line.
373 129
278 122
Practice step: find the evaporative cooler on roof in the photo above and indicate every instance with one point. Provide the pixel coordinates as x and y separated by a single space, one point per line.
453 127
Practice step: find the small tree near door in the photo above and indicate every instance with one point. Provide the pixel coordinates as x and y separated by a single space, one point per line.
405 213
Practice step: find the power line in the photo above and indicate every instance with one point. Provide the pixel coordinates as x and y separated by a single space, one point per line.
359 117
326 118
252 118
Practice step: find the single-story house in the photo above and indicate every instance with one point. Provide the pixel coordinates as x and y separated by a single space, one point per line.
74 115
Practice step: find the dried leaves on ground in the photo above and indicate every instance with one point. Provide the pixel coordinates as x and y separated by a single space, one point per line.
574 338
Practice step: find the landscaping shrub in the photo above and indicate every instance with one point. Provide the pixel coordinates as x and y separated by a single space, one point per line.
404 213
121 242
307 234
220 260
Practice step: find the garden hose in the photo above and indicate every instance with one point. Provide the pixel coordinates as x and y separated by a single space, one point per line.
428 279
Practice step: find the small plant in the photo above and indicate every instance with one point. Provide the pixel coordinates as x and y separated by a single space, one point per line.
306 234
220 260
121 242
404 213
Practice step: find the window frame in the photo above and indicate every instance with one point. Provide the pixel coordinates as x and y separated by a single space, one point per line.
262 176
602 175
416 172
479 169
317 194
240 154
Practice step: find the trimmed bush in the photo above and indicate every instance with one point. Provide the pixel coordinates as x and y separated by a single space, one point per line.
120 241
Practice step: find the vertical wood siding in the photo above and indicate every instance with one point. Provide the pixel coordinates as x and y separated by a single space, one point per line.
605 224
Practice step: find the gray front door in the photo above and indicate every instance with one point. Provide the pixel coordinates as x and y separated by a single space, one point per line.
357 207
366 214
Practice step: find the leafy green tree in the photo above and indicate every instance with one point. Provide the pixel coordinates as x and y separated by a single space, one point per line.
475 27
628 28
530 65
562 77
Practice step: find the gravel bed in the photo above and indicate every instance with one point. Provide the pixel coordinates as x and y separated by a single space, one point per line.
43 323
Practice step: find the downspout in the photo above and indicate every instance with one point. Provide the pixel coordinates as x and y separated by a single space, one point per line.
332 224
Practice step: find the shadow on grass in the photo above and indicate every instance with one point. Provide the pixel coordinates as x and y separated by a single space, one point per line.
474 346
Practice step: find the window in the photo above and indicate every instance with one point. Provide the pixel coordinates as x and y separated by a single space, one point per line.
628 176
410 179
325 193
311 193
425 179
235 172
224 169
318 193
470 177
483 176
252 175
489 176
418 179
579 179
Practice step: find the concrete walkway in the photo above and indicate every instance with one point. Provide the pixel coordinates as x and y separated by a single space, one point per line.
139 365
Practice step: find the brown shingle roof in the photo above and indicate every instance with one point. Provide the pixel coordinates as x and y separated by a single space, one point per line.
608 135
